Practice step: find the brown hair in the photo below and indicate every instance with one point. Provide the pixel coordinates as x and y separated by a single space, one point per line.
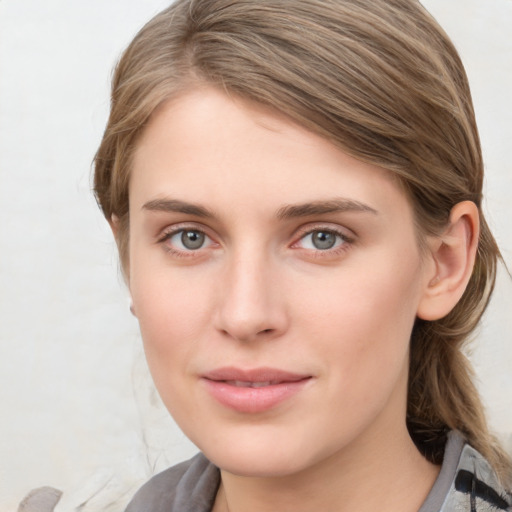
382 81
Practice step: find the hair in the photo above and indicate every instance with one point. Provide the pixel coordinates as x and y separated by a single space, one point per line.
378 78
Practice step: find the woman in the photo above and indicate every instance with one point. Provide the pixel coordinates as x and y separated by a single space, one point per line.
295 190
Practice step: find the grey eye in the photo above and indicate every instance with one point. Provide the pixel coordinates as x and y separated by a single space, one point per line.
192 240
323 240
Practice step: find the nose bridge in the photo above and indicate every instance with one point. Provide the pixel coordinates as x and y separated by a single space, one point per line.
250 306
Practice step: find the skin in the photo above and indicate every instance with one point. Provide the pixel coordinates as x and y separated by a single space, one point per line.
259 293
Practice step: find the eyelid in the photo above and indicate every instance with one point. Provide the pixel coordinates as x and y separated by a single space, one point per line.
168 232
171 230
309 228
347 240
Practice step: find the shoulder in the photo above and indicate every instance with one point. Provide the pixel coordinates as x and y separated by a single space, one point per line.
476 487
190 486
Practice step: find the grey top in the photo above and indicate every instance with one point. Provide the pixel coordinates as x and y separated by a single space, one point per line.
466 483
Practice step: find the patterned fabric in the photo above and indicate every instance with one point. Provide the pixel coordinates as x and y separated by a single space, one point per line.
466 483
475 487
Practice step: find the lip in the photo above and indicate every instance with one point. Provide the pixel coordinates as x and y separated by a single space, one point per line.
253 390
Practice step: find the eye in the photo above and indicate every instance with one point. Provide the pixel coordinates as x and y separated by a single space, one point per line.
322 240
187 240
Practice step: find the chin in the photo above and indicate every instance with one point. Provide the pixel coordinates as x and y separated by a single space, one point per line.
256 465
253 453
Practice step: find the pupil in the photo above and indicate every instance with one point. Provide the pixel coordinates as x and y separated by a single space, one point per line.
192 239
324 240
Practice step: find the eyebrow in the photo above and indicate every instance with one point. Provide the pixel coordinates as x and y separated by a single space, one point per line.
322 207
175 205
285 212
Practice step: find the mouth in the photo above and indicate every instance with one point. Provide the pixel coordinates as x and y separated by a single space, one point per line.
253 391
246 384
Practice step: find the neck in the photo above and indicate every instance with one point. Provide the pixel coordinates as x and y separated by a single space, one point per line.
373 474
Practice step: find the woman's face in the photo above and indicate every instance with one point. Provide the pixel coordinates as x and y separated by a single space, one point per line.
276 281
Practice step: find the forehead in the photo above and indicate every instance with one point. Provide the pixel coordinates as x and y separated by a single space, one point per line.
215 149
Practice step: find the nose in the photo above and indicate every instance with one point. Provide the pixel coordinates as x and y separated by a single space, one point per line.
251 300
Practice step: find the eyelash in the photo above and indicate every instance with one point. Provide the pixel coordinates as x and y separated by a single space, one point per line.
346 241
175 230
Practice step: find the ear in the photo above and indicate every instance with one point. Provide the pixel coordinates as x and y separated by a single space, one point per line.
453 255
114 225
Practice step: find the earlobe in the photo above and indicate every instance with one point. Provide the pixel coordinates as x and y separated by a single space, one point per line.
453 254
132 308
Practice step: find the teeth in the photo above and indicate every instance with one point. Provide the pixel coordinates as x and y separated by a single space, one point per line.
246 384
261 384
240 384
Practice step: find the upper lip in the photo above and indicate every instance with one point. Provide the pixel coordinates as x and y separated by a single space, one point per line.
262 374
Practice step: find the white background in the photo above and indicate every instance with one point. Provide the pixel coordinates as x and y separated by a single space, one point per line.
77 410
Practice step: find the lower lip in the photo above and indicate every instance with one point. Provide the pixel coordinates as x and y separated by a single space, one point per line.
253 400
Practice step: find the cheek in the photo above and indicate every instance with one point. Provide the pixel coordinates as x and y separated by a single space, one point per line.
173 311
365 318
358 300
170 330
